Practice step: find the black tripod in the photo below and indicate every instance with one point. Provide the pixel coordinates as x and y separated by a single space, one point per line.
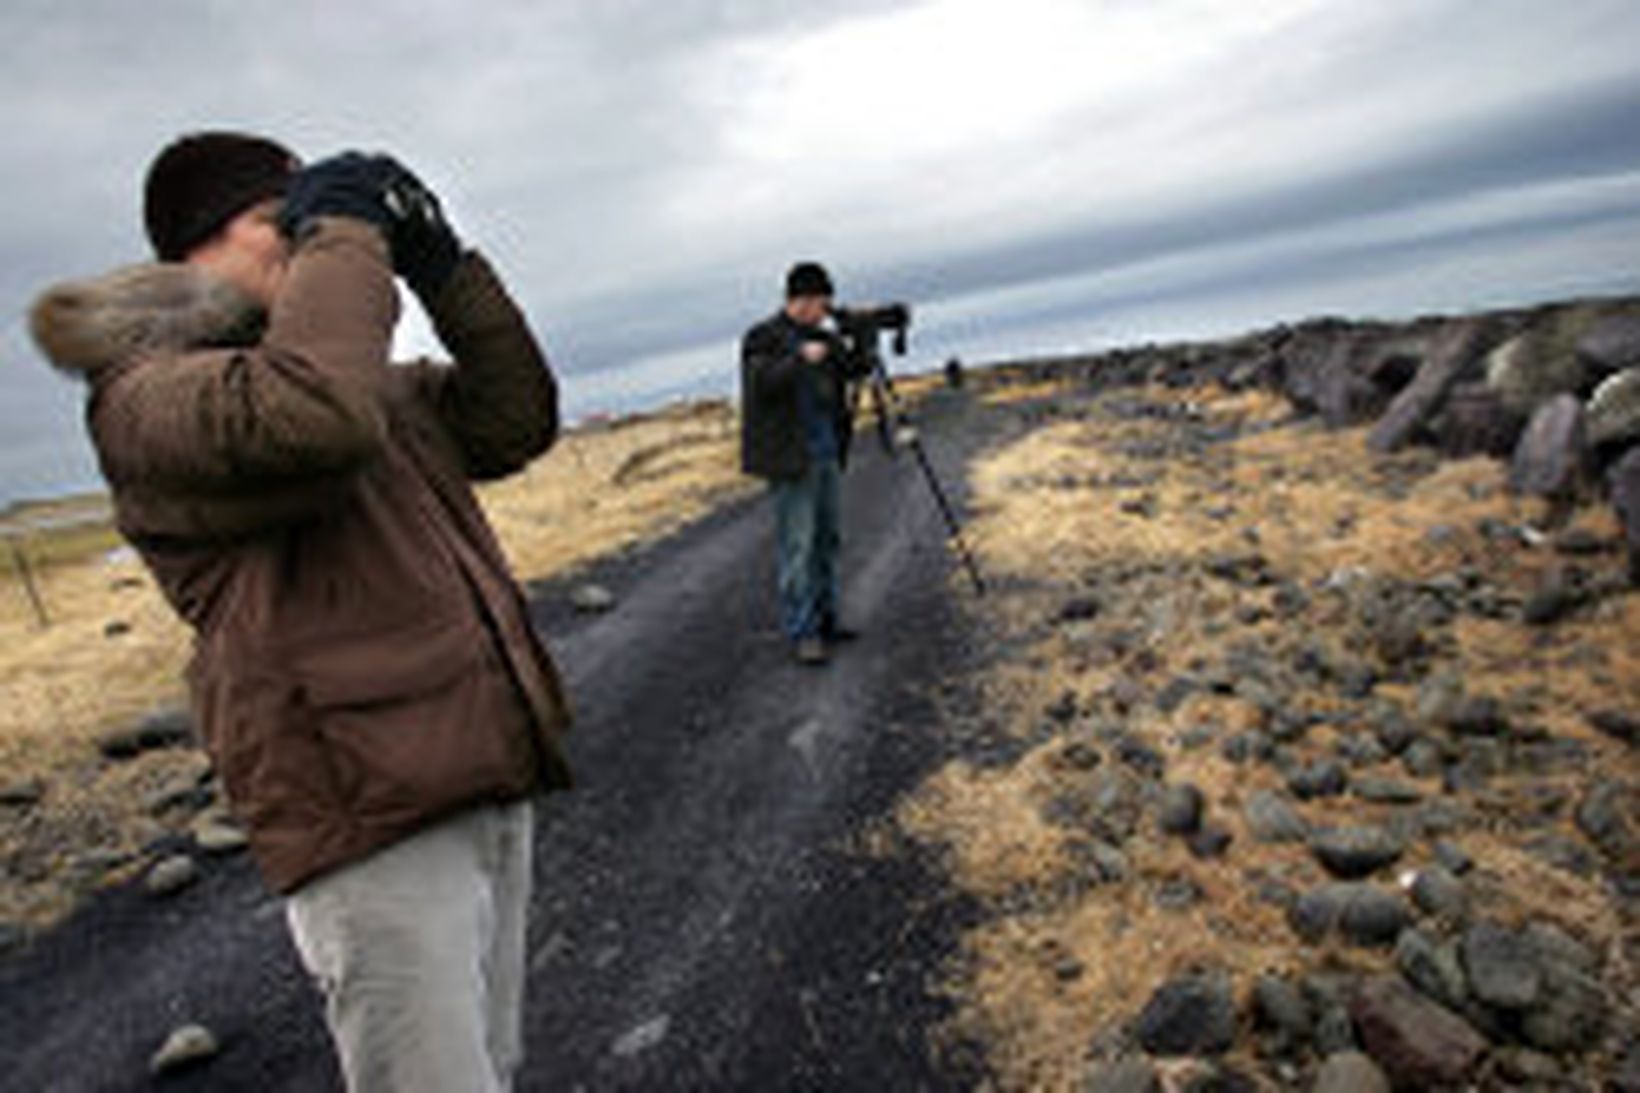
895 428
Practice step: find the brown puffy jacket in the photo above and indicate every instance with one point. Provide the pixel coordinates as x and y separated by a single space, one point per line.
364 662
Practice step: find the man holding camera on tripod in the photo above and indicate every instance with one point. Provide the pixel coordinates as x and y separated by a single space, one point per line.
366 679
797 420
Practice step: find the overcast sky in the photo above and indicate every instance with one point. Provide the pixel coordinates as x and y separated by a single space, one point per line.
1036 175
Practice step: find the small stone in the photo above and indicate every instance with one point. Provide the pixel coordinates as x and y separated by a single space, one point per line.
1177 894
1210 842
1079 755
1271 819
1453 857
1356 851
1501 967
1418 1042
1552 600
166 729
1478 715
1386 791
1280 1007
1321 778
116 628
1180 810
171 875
1140 756
216 835
1422 759
1616 724
24 794
1122 1076
648 1035
1437 892
1191 1015
1350 1072
187 1046
1431 966
1361 913
592 599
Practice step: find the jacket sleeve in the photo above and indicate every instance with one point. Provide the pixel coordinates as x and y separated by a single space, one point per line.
769 362
303 405
499 399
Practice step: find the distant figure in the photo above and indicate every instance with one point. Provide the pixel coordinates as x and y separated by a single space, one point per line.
365 676
953 373
797 420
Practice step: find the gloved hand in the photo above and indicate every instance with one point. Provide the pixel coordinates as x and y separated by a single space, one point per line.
351 184
425 248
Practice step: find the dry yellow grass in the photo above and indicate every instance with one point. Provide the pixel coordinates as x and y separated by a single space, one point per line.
114 652
1053 510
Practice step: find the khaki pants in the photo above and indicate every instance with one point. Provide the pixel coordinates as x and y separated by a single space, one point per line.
419 953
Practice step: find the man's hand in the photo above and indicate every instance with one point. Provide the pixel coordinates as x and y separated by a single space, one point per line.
815 351
425 248
351 184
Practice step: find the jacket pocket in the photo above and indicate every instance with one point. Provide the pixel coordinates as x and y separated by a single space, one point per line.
418 721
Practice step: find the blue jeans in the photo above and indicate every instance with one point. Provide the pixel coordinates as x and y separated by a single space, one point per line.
807 511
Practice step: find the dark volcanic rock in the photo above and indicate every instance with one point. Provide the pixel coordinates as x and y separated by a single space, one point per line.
1210 842
1501 966
1611 345
1356 851
1437 892
1457 349
1478 715
1432 966
1623 480
1616 724
167 729
1281 1009
1180 810
1476 420
1271 819
1552 455
1555 597
1321 778
1418 1042
1361 913
1192 1015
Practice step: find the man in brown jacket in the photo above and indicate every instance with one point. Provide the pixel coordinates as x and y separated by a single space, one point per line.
366 679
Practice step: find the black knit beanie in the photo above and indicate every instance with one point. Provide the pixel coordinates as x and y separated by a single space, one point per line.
808 279
203 180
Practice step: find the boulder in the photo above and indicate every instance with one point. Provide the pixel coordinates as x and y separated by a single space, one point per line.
1475 420
1417 1041
1456 350
1611 345
1552 456
1613 411
1532 367
1624 482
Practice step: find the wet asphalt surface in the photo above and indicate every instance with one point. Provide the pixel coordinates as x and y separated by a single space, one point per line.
704 917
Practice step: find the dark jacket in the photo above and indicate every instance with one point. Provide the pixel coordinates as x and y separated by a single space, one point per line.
772 441
364 662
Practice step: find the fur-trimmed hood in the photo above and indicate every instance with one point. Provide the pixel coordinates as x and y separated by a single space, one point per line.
84 326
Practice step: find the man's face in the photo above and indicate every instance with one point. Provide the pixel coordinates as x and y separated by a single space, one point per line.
808 310
249 253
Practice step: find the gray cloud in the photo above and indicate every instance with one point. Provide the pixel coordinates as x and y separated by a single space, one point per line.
1060 171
